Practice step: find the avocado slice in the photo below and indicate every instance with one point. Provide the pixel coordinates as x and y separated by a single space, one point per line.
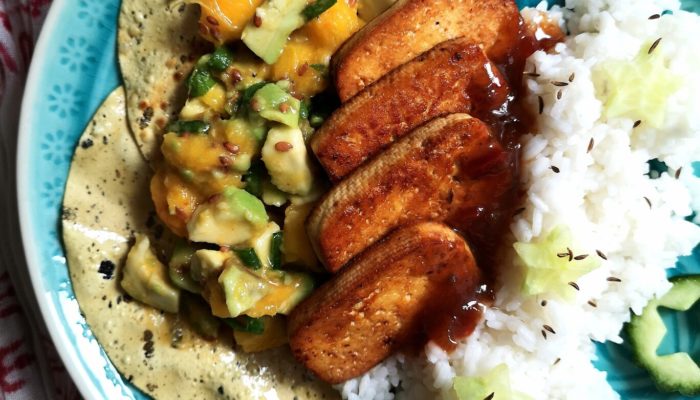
267 34
262 244
287 160
145 278
179 267
273 103
232 219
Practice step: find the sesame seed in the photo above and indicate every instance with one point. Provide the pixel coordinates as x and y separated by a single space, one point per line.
591 143
562 255
655 16
678 172
543 303
283 147
560 84
648 201
572 77
557 361
302 69
284 107
211 20
592 303
231 148
544 334
555 169
574 285
571 253
581 257
614 279
601 255
257 21
559 94
549 329
490 397
637 123
654 45
225 161
541 101
532 74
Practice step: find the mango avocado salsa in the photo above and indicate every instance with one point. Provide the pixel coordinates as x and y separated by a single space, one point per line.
235 180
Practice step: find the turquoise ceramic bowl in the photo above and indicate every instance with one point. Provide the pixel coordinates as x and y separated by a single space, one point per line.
74 68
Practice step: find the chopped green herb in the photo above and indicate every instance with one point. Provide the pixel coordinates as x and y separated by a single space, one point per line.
180 127
317 8
320 68
248 324
304 109
221 59
254 179
249 258
276 250
200 81
316 120
248 94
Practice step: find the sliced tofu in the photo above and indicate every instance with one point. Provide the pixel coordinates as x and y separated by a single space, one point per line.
450 170
383 301
454 77
412 27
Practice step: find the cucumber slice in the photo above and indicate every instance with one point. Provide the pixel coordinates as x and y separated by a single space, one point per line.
675 372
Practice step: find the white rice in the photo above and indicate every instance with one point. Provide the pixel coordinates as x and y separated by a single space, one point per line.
600 195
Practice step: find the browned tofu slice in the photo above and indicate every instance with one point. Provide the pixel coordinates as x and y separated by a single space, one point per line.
454 77
411 27
385 299
452 169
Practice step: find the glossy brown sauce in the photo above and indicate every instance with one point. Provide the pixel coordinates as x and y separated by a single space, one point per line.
458 311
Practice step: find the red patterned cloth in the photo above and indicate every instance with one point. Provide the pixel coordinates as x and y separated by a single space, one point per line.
29 366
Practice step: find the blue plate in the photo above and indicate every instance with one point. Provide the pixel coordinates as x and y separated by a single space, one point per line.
74 69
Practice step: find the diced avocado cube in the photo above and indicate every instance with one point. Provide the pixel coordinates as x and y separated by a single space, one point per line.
145 278
267 34
179 267
234 218
272 196
275 104
287 160
242 286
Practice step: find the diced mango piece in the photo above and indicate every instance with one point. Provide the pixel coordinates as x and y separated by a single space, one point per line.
223 21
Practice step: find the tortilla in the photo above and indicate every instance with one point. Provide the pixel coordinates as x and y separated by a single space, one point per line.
106 202
158 45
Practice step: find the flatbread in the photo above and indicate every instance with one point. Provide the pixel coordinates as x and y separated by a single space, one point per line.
106 202
158 45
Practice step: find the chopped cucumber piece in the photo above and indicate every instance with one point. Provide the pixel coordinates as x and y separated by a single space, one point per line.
249 258
493 385
675 372
552 262
276 250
